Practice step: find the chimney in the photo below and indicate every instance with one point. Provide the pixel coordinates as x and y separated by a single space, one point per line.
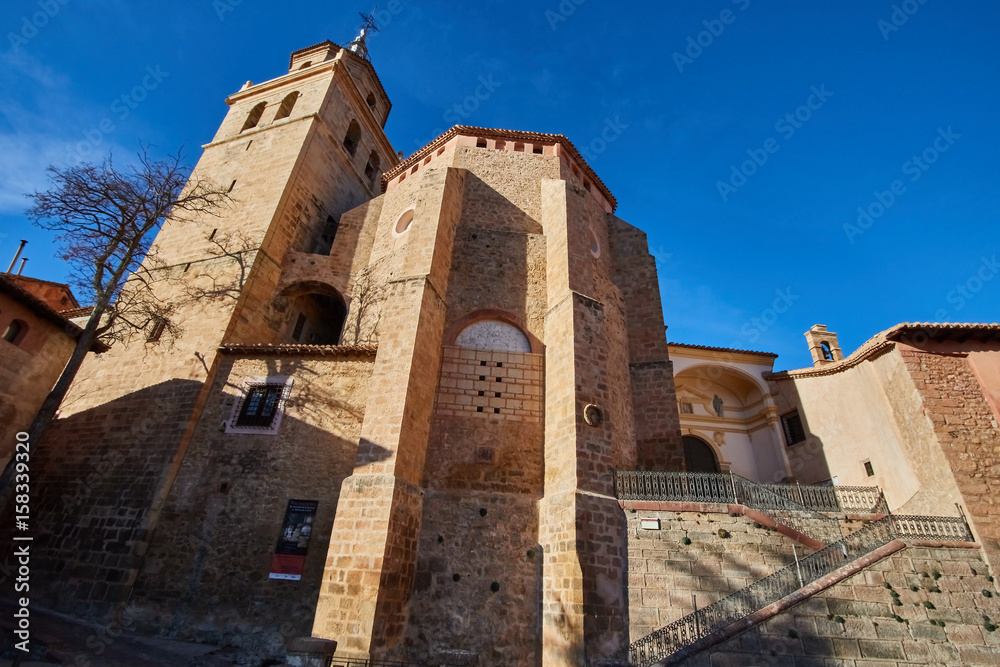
823 345
24 260
16 256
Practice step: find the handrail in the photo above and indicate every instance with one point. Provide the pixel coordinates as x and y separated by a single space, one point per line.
789 512
718 488
714 487
713 619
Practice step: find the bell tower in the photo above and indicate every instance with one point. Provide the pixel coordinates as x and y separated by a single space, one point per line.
823 345
295 153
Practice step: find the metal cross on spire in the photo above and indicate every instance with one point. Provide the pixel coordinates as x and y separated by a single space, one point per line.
369 24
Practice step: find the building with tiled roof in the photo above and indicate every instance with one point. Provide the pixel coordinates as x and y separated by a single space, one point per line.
428 415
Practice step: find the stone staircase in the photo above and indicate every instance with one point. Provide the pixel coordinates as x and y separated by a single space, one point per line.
801 510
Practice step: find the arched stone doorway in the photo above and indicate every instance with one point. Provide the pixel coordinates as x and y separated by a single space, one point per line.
699 456
315 313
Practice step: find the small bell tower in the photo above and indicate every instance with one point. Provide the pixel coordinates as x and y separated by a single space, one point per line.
823 345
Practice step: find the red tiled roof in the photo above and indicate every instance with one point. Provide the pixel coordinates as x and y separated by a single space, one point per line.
45 311
299 350
883 341
723 349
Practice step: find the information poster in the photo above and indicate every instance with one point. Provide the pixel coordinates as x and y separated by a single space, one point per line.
290 554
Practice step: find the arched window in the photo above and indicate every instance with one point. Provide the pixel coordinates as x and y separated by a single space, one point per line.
371 169
305 64
285 110
15 332
698 456
353 137
254 117
493 335
827 352
371 102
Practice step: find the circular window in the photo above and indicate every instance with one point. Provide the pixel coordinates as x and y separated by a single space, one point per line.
403 223
595 245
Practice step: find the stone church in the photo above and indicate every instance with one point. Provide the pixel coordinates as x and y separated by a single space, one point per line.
426 409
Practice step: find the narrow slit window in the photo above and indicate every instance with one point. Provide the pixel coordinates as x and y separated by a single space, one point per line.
156 329
300 324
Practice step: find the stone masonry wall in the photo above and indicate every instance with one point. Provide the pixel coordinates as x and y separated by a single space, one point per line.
205 577
477 582
664 573
657 423
968 434
950 619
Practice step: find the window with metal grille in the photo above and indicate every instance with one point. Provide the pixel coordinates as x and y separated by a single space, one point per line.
260 405
869 470
792 425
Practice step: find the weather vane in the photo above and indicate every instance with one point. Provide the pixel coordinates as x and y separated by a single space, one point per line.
369 24
368 20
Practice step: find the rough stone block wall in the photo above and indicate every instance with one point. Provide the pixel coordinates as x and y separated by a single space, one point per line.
478 580
384 490
657 424
205 576
91 500
857 623
499 271
664 573
967 431
472 379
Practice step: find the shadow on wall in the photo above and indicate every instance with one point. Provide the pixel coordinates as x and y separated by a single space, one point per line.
205 576
93 478
805 451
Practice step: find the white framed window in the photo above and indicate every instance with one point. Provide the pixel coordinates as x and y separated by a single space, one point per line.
261 406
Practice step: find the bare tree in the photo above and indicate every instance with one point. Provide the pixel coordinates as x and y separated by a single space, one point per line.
366 304
107 218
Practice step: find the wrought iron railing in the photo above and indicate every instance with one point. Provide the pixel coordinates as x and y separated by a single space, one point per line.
835 499
785 510
718 488
712 620
948 528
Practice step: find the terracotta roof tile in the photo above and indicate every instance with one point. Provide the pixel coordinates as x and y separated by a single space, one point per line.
723 349
285 349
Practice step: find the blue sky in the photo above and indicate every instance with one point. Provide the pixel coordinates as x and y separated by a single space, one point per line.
752 214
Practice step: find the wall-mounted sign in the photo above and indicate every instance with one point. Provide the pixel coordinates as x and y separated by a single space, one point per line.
650 524
290 554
